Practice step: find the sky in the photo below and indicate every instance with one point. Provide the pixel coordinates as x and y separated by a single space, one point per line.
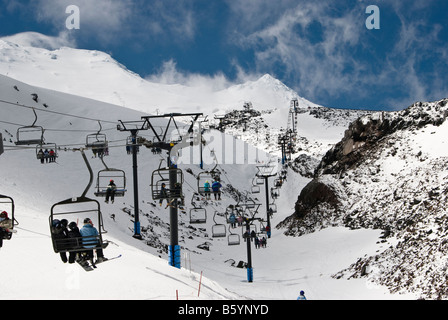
340 54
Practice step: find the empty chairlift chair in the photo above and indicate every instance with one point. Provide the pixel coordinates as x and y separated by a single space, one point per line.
30 136
218 229
198 215
255 188
233 239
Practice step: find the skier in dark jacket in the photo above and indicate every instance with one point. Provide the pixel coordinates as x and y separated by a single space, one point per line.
110 192
60 236
75 241
5 226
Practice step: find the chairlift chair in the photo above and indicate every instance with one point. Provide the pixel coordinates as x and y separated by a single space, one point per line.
30 135
233 239
7 205
130 142
255 187
198 215
76 210
103 180
218 229
96 141
273 207
205 176
162 176
46 146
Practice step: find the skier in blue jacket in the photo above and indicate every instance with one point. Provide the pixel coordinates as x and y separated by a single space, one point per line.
216 187
301 296
90 239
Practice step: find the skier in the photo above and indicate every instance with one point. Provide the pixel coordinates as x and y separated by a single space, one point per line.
90 241
177 193
60 235
40 156
46 155
52 155
301 296
163 194
110 192
207 190
75 241
216 187
232 220
5 225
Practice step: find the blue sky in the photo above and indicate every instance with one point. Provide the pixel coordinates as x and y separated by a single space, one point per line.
321 49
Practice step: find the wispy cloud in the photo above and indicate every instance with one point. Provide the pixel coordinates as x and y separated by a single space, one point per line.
169 73
117 21
324 49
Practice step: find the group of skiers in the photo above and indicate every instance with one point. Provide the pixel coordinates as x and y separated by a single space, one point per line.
80 243
46 156
171 196
215 187
6 225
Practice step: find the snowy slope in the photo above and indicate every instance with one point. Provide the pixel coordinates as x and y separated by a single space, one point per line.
388 173
286 266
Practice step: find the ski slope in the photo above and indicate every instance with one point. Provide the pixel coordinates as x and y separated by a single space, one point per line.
281 270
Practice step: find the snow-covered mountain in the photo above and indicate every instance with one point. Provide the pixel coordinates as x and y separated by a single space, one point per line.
65 81
96 75
388 173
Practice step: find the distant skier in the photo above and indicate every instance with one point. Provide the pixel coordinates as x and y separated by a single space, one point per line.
207 190
110 192
41 156
163 194
301 296
216 187
232 220
5 226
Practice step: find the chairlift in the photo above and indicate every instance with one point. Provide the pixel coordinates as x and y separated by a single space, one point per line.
7 205
161 187
233 239
259 181
40 151
103 179
203 178
97 141
255 188
273 207
198 215
252 227
218 229
130 141
30 135
275 193
75 210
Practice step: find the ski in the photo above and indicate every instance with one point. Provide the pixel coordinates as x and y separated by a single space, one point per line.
108 259
85 265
